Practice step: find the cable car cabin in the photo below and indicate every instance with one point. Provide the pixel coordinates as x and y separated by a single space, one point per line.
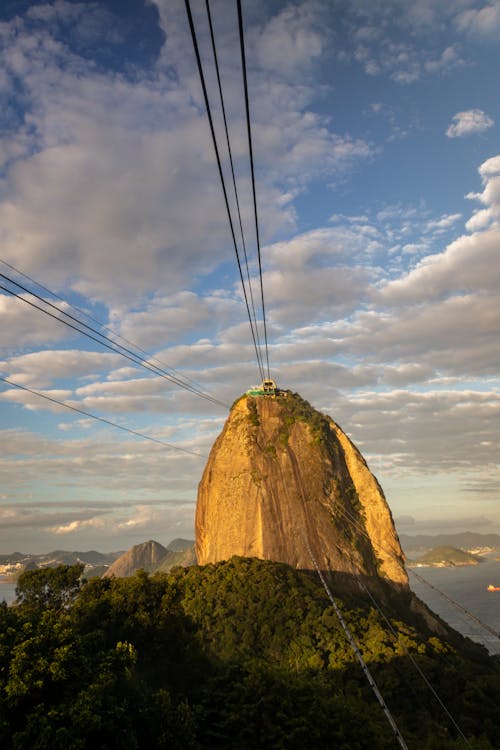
267 388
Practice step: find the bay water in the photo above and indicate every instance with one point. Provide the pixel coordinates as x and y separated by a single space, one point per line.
7 591
467 585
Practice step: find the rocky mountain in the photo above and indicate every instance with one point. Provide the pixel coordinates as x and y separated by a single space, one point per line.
283 482
180 556
146 555
153 557
179 544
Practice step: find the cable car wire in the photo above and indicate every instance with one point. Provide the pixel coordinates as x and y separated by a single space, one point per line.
389 624
101 419
350 638
371 681
250 151
458 606
230 153
221 174
101 339
455 604
148 355
416 664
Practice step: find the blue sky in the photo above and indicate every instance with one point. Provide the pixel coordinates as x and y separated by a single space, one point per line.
377 156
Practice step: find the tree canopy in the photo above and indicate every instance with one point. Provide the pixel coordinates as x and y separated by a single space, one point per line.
240 655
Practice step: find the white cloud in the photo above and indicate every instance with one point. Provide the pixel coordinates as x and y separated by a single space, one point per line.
74 526
32 402
439 429
170 318
482 22
382 46
129 160
469 121
469 263
455 335
38 369
490 168
443 223
23 325
297 297
291 41
448 59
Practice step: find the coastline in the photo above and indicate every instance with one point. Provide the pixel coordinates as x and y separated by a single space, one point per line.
410 564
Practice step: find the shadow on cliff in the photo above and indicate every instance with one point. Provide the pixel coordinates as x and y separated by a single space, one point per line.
284 665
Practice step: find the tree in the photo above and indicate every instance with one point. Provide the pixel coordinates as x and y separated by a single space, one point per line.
49 587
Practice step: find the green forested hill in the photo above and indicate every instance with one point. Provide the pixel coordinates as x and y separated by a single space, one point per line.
448 556
241 655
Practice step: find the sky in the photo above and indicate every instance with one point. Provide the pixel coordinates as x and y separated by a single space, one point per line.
376 144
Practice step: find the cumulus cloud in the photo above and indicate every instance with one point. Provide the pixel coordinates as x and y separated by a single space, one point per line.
78 525
39 369
23 325
443 223
33 402
313 293
115 167
490 197
467 264
420 438
109 189
167 319
380 44
469 121
99 462
455 335
291 41
482 22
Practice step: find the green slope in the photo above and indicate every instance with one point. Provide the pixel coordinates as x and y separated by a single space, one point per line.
448 556
242 655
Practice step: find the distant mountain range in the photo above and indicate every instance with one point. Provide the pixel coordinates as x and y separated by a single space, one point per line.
178 552
153 556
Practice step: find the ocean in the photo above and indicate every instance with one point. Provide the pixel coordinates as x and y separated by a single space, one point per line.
7 591
466 585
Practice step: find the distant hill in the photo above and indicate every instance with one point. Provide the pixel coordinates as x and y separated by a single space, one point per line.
178 552
153 557
467 540
447 557
146 556
183 557
11 565
176 545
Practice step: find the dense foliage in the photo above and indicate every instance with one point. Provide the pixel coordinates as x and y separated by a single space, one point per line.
243 655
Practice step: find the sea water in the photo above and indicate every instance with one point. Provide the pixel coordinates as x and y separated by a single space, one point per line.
468 586
7 591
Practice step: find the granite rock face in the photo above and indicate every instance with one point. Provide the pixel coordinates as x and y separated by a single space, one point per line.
283 482
146 555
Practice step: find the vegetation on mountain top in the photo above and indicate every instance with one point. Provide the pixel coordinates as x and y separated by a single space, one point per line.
448 556
238 655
